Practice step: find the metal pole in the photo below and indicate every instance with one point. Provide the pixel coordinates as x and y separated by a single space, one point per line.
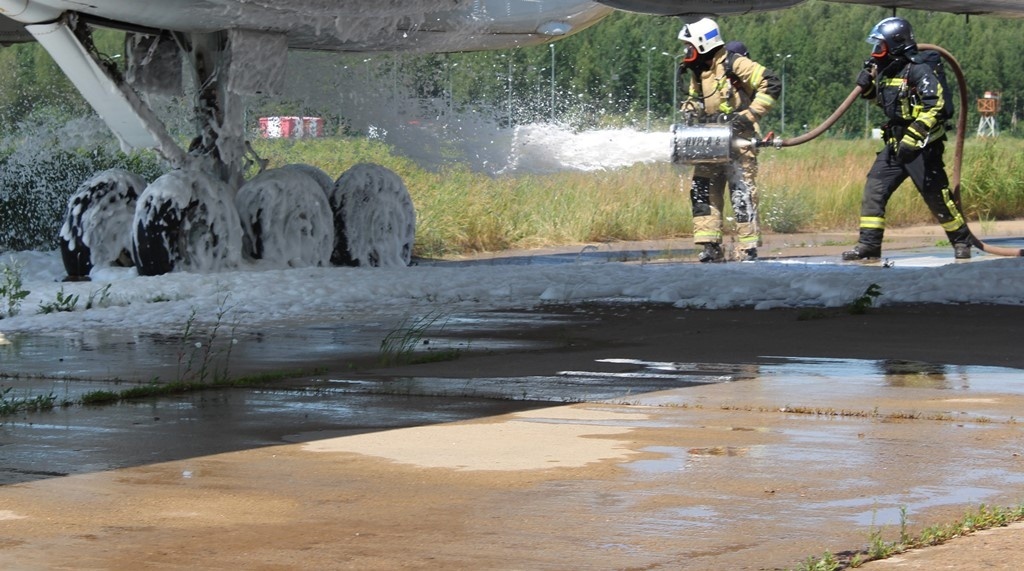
867 119
675 84
451 95
552 82
649 50
782 98
675 90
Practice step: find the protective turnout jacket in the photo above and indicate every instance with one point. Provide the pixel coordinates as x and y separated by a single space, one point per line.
733 84
736 86
913 98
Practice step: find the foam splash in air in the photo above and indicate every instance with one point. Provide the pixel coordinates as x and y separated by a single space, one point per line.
546 147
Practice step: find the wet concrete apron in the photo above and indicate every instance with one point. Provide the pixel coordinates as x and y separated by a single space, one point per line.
669 463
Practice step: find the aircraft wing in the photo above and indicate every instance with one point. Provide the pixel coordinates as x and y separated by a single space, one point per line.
420 26
1006 8
12 32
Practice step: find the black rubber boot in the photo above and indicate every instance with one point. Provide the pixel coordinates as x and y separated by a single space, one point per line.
962 251
712 253
961 240
862 252
869 245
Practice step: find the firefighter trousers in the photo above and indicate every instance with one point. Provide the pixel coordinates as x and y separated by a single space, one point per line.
928 173
707 198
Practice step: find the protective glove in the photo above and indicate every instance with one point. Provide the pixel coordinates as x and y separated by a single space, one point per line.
742 122
692 113
907 149
865 79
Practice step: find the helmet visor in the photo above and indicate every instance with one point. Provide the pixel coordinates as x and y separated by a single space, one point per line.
877 39
880 50
876 34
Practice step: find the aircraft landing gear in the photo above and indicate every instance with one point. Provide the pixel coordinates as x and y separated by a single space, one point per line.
286 219
185 220
96 227
374 219
188 219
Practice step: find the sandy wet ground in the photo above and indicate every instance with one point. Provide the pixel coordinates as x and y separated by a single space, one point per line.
771 463
786 437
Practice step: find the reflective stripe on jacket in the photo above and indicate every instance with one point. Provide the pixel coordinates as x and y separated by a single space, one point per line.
754 87
913 99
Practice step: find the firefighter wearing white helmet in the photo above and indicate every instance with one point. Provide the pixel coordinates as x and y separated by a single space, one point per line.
725 87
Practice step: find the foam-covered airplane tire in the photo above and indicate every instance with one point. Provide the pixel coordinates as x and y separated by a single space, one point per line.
286 219
374 218
97 224
186 221
318 174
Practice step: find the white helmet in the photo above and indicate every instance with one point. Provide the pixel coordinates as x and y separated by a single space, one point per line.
702 34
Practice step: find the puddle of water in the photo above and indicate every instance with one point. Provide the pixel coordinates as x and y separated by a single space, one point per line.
713 476
673 521
671 460
46 364
106 355
79 439
72 441
895 373
572 386
586 255
888 510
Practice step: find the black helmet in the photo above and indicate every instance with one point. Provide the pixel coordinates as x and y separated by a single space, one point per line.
891 37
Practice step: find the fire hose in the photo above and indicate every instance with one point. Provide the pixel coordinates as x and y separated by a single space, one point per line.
693 144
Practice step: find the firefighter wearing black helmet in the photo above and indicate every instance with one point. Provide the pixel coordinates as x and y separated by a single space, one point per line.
905 84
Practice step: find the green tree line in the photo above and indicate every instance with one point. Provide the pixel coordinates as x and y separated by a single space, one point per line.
622 71
818 46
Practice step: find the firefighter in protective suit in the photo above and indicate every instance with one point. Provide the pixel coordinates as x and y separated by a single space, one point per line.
725 88
905 84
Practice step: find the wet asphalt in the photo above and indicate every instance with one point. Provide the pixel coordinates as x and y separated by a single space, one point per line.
620 461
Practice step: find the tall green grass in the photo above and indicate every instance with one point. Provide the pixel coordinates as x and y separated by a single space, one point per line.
460 211
993 186
813 187
827 177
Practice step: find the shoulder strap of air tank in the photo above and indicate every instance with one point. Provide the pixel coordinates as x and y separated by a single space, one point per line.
736 80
